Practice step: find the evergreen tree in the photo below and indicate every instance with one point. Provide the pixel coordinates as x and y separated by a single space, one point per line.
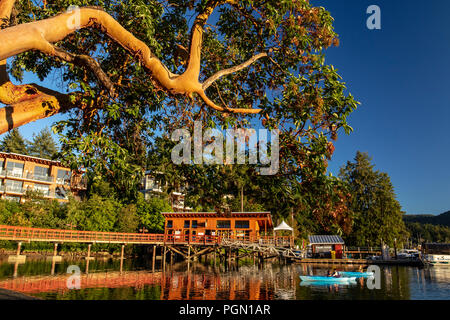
14 142
43 145
377 213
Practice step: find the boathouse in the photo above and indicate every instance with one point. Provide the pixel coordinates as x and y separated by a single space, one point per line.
326 246
195 225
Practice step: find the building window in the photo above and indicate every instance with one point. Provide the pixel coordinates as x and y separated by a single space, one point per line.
187 223
14 186
242 224
42 188
169 224
194 224
63 177
41 173
14 169
223 224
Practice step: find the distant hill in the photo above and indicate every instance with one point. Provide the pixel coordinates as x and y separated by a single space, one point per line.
443 219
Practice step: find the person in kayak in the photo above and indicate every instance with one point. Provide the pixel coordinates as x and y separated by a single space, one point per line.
334 274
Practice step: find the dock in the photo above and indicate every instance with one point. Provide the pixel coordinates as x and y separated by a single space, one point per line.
333 261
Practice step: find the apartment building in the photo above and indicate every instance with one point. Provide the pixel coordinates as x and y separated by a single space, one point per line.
152 185
21 173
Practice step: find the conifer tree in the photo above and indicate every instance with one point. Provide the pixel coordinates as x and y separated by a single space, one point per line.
14 142
377 212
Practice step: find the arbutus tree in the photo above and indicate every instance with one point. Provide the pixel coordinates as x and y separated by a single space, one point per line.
134 69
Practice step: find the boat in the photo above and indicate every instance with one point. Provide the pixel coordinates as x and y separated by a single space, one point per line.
437 259
356 274
436 254
327 279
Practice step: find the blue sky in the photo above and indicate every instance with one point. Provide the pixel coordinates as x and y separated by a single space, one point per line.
400 74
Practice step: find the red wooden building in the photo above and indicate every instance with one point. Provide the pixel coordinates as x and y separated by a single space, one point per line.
194 225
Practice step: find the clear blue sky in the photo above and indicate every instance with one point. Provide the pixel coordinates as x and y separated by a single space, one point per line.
400 74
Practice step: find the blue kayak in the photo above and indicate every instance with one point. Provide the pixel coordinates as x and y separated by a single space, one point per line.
356 274
327 279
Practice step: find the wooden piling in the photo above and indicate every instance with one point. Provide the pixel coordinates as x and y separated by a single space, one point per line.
19 246
55 249
154 257
121 258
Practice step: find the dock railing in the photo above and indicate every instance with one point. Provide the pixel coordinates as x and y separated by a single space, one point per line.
18 233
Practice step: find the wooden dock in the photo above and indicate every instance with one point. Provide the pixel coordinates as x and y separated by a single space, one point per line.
333 261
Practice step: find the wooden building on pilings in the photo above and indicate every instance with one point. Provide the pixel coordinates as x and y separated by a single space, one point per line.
195 226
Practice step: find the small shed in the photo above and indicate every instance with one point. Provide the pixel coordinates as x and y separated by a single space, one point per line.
323 245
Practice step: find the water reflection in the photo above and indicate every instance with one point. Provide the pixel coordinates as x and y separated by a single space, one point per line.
47 279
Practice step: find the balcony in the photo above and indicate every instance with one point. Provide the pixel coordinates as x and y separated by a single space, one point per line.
25 176
78 182
11 189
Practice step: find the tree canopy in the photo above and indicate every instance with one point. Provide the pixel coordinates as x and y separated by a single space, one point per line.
133 71
43 145
131 68
377 213
14 142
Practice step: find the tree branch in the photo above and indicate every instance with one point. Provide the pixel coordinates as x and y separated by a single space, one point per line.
90 63
30 102
234 69
40 35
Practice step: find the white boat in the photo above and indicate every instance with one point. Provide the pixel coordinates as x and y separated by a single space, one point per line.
437 259
408 254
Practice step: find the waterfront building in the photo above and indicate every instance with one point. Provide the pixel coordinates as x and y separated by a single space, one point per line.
21 173
326 246
248 225
153 185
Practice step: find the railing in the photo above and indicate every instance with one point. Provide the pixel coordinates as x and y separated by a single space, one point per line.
10 189
264 241
363 249
27 176
38 234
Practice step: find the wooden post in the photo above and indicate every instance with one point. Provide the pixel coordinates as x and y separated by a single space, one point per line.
154 257
19 246
189 253
121 258
55 250
395 248
163 258
52 272
89 251
16 269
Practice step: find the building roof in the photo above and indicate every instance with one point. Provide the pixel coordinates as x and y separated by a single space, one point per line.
23 157
325 239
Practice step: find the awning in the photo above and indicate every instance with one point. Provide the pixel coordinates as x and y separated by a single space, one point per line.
283 226
325 239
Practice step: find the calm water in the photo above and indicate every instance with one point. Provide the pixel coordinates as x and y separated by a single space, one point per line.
200 281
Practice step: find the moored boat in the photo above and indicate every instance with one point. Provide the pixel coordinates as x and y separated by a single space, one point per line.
437 259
